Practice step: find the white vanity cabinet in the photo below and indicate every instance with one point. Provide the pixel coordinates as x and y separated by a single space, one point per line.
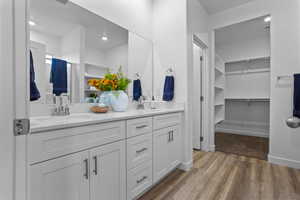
118 160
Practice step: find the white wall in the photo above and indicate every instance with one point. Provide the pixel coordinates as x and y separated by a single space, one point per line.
170 51
116 57
53 43
247 49
95 57
134 15
285 60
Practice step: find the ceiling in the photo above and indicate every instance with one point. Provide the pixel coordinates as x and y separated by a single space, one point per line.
215 6
57 19
245 31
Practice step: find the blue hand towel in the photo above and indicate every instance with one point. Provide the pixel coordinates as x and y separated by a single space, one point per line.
137 89
34 91
297 95
59 76
169 88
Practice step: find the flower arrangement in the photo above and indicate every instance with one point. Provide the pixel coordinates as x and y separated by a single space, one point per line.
111 82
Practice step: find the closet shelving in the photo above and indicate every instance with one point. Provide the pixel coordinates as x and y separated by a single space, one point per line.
247 97
219 89
93 71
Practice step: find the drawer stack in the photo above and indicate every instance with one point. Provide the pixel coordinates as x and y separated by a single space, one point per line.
139 156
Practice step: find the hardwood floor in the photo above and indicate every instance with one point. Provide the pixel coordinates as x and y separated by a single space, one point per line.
220 176
256 147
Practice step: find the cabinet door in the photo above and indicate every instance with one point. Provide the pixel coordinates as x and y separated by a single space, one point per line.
175 147
108 172
64 178
166 151
161 165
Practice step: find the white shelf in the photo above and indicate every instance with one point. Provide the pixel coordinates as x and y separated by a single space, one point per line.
249 71
219 87
95 65
219 104
249 59
218 120
266 99
89 90
218 72
93 76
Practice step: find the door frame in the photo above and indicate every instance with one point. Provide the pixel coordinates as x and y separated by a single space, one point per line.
14 98
202 41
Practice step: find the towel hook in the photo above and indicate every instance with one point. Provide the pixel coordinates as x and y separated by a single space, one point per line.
169 71
138 76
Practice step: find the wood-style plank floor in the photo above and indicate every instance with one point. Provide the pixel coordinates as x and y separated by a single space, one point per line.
242 145
220 176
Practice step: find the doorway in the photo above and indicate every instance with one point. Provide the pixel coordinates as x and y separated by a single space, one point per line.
242 88
199 62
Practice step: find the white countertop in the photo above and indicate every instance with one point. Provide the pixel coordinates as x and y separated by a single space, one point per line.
48 123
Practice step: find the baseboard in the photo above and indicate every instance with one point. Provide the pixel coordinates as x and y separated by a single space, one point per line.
283 161
242 132
187 166
212 148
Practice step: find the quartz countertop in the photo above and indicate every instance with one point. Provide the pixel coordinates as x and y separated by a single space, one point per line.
49 123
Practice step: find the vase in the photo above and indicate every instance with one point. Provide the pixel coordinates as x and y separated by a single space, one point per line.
119 101
105 98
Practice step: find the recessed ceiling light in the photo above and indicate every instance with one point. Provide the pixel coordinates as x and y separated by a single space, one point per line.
268 19
31 23
104 38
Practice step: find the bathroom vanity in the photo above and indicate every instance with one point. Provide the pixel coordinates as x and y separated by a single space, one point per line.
114 156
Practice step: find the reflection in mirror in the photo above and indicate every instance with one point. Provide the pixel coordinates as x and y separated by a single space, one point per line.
71 45
141 64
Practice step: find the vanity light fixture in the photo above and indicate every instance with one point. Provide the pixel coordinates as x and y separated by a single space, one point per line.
31 23
268 19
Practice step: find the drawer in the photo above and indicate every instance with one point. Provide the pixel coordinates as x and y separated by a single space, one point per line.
52 144
139 150
139 180
163 121
139 126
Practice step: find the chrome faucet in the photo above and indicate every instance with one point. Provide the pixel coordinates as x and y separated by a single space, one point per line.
61 105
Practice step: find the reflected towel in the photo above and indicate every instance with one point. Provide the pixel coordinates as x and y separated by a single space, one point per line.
297 95
34 91
137 89
59 76
169 88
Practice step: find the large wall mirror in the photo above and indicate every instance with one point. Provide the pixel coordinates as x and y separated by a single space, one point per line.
70 45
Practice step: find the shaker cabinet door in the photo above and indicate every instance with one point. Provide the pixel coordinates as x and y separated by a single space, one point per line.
166 151
108 172
160 154
65 178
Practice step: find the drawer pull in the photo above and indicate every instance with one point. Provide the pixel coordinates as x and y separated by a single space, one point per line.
96 165
171 136
142 126
142 179
86 174
141 150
